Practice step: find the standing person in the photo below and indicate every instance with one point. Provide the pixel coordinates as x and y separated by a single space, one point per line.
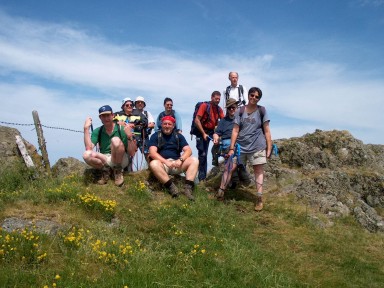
139 106
135 119
168 111
235 90
252 132
222 140
165 148
113 140
206 121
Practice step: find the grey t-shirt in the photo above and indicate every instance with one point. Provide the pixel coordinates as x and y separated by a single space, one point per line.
251 138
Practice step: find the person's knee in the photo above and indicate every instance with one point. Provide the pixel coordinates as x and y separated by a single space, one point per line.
116 143
154 165
87 155
194 161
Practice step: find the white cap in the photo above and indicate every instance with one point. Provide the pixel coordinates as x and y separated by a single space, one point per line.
124 101
140 98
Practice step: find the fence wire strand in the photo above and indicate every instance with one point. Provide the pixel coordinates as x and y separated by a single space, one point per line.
45 126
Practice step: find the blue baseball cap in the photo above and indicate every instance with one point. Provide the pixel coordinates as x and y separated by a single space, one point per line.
106 109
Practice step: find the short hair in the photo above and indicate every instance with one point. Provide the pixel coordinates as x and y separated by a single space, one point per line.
214 93
229 75
167 99
255 89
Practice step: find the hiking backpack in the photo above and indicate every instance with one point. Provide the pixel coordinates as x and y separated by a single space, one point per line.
194 130
241 94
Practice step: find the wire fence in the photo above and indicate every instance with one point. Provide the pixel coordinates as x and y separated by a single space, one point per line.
138 164
45 126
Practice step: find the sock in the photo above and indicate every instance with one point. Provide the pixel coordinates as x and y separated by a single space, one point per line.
189 182
168 183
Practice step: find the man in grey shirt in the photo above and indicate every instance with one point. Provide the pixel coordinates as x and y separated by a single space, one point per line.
251 131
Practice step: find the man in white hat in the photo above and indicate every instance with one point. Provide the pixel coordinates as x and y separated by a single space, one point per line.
139 106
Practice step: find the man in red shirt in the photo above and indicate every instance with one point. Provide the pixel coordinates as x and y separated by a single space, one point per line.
207 118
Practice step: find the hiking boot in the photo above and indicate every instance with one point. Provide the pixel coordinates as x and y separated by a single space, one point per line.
220 194
259 204
119 178
232 185
105 174
188 189
173 190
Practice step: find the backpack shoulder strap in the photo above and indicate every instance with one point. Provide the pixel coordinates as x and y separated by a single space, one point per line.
227 92
241 91
241 112
177 139
99 135
160 142
262 113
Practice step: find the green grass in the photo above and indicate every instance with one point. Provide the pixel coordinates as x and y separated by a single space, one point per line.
151 240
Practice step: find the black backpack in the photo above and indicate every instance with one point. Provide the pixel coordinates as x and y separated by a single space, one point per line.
194 129
241 94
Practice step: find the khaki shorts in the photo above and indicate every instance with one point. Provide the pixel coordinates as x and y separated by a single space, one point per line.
257 158
124 163
172 171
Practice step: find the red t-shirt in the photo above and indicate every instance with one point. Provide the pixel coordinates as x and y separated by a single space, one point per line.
209 122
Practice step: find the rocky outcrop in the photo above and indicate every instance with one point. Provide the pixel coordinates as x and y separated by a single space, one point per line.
68 166
9 151
334 173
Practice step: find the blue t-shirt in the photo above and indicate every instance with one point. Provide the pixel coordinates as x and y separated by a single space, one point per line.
225 127
170 147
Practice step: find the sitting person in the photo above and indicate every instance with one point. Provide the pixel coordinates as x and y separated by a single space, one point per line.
222 140
165 147
112 139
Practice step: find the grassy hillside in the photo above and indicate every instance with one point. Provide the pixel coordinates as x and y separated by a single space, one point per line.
133 237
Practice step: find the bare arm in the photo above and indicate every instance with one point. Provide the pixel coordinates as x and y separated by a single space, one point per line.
235 133
268 137
87 138
187 152
200 126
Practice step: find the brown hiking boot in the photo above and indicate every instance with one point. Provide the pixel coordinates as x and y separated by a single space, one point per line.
173 190
259 204
105 174
119 178
188 189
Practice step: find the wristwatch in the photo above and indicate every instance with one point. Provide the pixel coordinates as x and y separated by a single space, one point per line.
181 159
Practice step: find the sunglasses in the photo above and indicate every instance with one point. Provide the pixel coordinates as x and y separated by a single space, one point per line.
254 96
169 105
128 105
232 108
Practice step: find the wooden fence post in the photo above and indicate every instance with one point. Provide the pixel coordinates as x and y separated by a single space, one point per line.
41 141
27 159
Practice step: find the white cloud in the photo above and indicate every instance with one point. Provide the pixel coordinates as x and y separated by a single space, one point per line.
66 74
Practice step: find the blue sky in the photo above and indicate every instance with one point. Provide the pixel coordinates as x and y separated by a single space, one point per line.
320 64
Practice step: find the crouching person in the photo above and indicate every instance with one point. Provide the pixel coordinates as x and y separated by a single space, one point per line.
170 154
113 142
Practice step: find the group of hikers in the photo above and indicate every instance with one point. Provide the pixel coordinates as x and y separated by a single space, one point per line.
241 135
